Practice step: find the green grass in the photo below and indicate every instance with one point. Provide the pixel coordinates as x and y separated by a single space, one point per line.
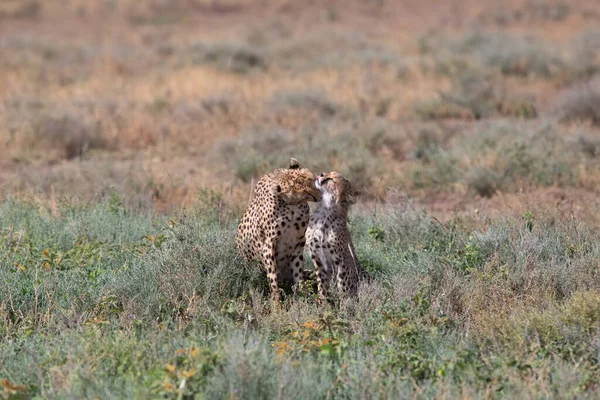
103 301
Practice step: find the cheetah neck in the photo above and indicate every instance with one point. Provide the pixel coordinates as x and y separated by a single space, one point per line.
330 206
328 201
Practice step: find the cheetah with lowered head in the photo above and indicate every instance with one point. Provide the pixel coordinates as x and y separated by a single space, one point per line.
329 241
272 230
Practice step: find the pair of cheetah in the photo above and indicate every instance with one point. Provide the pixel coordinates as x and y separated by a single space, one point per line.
277 225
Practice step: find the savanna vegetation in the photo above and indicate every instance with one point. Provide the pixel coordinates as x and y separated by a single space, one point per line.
131 134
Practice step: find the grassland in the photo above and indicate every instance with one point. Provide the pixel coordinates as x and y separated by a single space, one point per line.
131 134
103 302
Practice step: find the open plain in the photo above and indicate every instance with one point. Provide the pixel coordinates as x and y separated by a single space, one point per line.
132 133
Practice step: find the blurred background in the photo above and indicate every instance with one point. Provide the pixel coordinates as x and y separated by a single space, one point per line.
466 106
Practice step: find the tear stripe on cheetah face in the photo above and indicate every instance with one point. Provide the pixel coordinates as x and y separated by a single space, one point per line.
272 230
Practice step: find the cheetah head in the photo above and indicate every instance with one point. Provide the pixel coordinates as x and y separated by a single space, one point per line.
295 184
336 189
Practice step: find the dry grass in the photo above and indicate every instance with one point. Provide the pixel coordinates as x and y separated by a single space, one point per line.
166 87
580 103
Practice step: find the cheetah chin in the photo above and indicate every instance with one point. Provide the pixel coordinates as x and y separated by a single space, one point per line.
326 198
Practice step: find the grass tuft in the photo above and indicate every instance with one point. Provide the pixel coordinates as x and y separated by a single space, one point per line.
580 102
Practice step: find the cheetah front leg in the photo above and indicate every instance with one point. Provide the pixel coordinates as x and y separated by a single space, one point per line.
321 271
341 276
269 262
347 269
297 263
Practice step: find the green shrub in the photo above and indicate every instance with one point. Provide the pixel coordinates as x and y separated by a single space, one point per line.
309 101
188 273
69 135
229 57
59 266
502 156
511 54
484 181
581 102
477 94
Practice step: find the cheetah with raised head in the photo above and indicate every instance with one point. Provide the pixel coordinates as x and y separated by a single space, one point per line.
272 230
329 241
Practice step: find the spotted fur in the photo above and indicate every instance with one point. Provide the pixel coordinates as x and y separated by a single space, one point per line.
329 241
272 230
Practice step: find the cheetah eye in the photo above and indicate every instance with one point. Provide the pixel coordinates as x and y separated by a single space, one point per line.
278 188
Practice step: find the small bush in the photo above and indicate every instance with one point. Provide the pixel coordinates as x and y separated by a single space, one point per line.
309 101
509 54
519 106
44 129
484 181
20 10
427 142
589 145
503 156
71 136
512 55
478 94
440 109
187 272
531 12
584 53
477 91
310 52
580 102
234 58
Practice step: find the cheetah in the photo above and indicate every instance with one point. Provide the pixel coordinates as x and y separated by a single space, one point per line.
329 241
272 230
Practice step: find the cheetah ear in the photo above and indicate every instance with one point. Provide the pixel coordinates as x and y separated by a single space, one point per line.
351 195
294 164
347 199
